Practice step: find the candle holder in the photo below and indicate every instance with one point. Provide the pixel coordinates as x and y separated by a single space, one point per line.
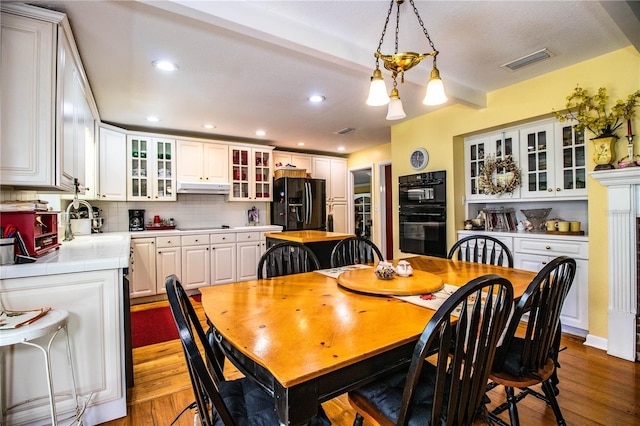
630 159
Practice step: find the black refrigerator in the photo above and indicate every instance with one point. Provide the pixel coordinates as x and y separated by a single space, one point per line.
299 203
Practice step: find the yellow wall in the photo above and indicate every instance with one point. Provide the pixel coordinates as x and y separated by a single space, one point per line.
441 133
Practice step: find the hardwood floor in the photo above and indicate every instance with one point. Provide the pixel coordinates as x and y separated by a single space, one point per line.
595 389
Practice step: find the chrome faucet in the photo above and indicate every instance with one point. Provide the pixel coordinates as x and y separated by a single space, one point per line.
68 235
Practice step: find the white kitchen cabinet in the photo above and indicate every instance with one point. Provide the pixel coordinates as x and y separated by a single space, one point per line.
532 252
301 161
196 261
168 260
202 162
553 161
334 171
249 251
112 165
251 173
150 168
223 258
47 103
476 151
142 267
94 302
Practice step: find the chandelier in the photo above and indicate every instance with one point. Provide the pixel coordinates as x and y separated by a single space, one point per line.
398 63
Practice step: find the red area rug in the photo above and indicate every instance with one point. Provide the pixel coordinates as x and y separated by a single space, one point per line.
153 326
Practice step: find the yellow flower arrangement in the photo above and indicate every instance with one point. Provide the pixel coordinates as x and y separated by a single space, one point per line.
591 113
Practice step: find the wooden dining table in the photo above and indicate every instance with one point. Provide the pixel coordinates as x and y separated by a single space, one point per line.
306 339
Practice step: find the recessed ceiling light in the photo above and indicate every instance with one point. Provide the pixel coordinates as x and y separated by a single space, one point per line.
153 119
316 98
209 126
341 148
165 65
300 143
260 133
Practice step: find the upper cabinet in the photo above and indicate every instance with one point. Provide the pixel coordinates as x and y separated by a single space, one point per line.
477 149
251 173
202 162
301 161
551 157
112 166
150 168
555 163
48 114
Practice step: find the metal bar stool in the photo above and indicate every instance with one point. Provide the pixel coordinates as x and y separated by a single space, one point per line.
50 324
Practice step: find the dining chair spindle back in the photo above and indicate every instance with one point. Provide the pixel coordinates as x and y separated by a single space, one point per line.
531 359
219 402
287 258
482 249
463 336
355 250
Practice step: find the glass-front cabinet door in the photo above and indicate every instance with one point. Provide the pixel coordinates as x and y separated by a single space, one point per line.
571 165
150 169
164 185
262 175
554 161
476 151
251 170
138 185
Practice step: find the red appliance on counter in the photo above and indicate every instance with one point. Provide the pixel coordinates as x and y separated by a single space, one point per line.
38 229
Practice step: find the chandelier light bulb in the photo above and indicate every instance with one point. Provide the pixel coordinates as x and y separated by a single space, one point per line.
435 89
378 90
396 111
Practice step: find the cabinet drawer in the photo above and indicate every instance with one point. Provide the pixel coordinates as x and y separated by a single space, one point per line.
248 236
162 242
552 247
222 238
195 240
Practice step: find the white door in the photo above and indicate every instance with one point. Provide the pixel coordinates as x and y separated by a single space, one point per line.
223 263
142 267
168 262
248 258
196 266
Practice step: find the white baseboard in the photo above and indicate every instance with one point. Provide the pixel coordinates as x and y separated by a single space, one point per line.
596 342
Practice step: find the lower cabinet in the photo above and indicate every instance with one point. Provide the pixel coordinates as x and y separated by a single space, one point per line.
223 258
196 261
94 302
249 250
168 260
532 252
142 267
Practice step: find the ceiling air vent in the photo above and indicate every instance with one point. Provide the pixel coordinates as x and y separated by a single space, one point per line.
345 131
528 60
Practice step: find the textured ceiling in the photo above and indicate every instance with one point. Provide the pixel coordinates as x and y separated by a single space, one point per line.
246 65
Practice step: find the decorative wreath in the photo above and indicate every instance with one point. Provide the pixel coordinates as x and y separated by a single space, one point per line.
508 180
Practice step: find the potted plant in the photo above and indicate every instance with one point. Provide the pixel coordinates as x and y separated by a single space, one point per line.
592 113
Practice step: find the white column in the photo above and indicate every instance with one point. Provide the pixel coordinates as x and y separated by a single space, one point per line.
622 206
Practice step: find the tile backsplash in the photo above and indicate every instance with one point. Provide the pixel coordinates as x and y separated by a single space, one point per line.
191 210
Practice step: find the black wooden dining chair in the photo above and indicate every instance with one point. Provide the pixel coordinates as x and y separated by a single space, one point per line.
219 402
482 249
287 258
353 250
463 334
531 359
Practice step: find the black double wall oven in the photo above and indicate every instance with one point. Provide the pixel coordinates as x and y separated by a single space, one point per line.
423 213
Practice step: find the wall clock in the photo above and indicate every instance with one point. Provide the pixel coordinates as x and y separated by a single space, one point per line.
419 158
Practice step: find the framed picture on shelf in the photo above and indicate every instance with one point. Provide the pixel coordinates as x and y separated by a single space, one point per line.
253 216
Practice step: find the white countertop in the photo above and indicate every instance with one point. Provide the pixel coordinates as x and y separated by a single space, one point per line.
541 235
205 230
82 254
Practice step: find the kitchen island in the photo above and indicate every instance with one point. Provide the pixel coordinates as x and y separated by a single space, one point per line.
321 243
84 277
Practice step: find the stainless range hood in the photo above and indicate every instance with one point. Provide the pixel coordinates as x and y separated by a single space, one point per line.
202 188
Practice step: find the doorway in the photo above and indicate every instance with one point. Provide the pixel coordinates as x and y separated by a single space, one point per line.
362 219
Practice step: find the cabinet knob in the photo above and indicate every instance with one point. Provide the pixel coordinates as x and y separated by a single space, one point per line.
558 189
200 177
548 247
104 196
550 190
224 238
197 240
544 262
